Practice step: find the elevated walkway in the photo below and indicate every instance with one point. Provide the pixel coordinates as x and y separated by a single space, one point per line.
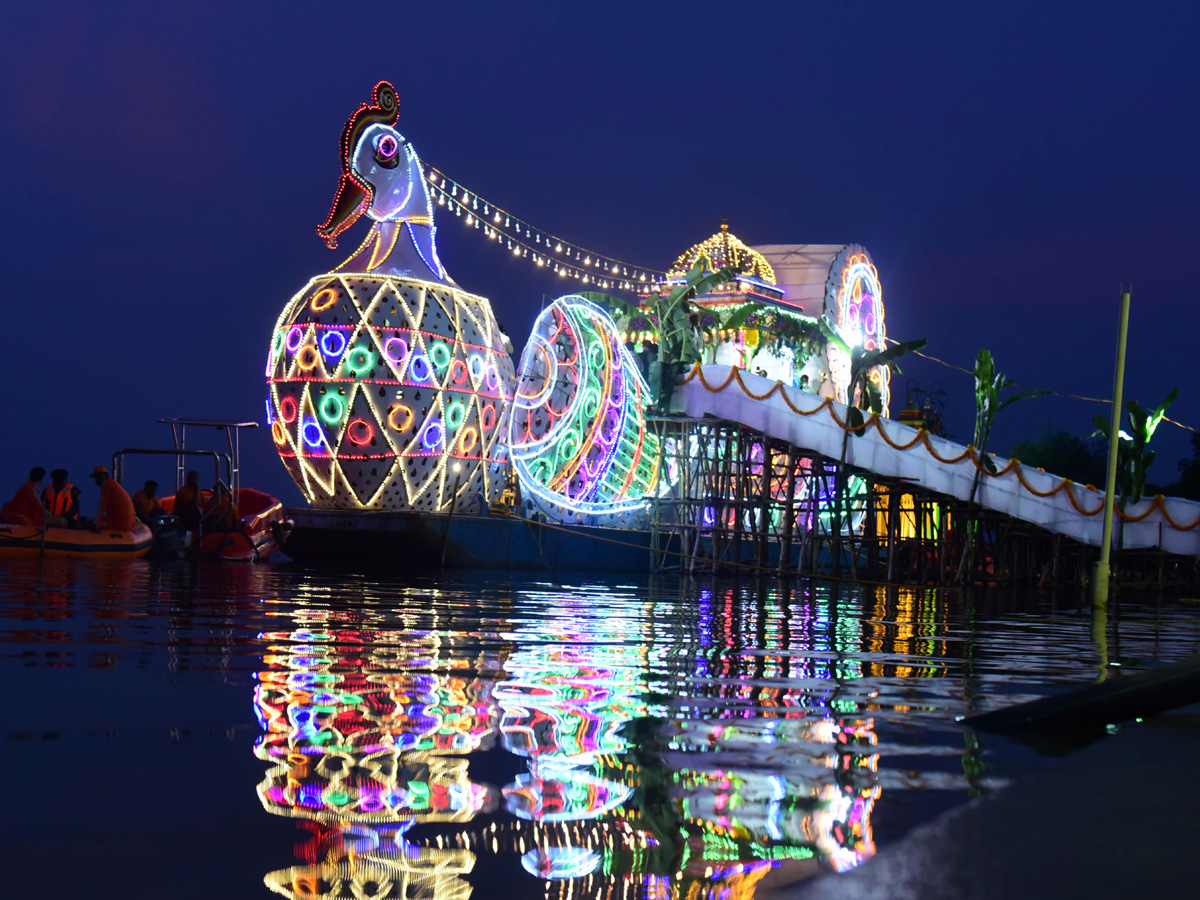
889 448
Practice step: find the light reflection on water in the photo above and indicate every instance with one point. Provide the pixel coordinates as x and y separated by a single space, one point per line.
480 737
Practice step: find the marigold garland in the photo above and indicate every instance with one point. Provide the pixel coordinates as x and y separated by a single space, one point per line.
922 436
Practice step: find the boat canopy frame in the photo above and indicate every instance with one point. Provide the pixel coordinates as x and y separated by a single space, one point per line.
118 462
232 431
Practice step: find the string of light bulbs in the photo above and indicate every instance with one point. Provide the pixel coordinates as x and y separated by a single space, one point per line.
545 249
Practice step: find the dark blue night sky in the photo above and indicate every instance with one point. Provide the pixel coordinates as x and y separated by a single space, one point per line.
1008 165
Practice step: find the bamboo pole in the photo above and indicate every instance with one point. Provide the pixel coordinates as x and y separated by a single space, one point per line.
1100 574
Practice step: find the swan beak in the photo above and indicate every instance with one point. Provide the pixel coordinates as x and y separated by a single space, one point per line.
351 202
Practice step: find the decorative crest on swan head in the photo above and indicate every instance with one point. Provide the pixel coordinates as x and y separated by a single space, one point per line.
381 175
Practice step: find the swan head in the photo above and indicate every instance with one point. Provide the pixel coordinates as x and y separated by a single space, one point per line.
381 174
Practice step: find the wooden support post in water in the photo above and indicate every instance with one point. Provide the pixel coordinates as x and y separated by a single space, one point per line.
789 513
764 503
943 521
739 484
893 512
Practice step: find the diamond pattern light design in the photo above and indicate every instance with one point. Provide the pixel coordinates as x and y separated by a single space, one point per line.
577 435
389 393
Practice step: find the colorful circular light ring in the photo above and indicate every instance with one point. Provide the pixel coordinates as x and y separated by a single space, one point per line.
455 413
332 409
278 433
295 337
487 416
287 409
425 371
359 432
433 425
458 372
464 446
333 342
477 366
402 410
277 344
322 300
439 355
365 360
312 433
307 358
392 357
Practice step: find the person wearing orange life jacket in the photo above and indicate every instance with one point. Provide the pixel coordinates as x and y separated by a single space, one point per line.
187 503
25 508
146 503
116 509
61 499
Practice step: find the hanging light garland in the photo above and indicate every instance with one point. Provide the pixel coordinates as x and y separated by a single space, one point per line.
543 249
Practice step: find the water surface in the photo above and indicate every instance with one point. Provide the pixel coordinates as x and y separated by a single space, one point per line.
234 730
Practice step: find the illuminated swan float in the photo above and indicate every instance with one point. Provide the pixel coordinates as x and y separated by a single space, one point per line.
390 388
388 384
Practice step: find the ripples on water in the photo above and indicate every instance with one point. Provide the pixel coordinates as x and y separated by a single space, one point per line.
430 739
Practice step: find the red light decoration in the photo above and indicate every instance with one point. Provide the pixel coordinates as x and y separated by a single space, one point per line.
287 409
359 432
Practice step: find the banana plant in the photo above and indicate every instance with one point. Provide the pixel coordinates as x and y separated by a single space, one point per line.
990 399
1133 455
677 345
862 389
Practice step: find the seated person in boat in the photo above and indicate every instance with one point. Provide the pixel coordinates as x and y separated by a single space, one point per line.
25 508
221 513
146 503
116 509
61 499
187 502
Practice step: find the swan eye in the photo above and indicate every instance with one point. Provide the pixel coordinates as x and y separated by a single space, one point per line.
386 150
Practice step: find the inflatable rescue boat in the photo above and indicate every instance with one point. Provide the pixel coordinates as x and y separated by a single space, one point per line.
30 540
257 536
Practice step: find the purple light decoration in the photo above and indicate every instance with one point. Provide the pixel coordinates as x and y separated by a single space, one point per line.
387 147
387 351
295 338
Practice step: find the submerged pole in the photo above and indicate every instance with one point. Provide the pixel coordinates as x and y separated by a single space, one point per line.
1101 572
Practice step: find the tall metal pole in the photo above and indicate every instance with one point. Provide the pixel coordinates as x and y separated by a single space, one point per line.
1101 572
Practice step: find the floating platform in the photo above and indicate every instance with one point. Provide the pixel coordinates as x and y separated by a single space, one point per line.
419 541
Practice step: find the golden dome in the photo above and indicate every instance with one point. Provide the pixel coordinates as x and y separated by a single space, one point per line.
725 250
